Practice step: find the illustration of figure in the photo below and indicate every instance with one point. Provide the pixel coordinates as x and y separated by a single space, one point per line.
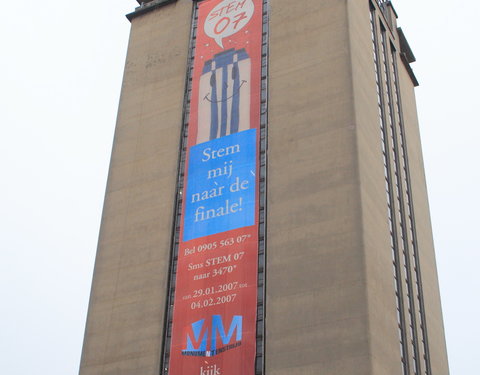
224 100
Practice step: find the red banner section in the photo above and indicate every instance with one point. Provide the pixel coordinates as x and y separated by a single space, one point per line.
214 318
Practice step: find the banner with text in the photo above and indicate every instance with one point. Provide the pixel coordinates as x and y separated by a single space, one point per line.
215 305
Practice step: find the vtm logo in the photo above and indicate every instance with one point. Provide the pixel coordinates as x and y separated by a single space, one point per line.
202 340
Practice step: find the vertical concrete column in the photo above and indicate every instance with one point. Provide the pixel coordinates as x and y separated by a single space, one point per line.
433 308
383 326
125 324
316 315
383 321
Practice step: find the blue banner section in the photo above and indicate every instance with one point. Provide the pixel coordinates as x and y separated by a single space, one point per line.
221 185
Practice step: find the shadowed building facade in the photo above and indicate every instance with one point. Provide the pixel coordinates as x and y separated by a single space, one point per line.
346 279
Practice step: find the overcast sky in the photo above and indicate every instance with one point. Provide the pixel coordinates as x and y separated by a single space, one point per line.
61 66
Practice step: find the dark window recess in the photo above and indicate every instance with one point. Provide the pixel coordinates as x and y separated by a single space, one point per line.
386 148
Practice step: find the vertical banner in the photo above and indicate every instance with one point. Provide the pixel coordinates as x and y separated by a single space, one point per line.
215 306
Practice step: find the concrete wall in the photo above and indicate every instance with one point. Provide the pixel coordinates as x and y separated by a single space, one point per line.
384 341
125 321
383 326
433 310
316 308
330 292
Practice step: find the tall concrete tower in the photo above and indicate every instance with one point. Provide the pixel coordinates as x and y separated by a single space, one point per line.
266 210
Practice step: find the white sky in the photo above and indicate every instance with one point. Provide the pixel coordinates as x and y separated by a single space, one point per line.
61 66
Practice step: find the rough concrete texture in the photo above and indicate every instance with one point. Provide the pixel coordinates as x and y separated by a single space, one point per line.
316 297
435 328
330 293
383 327
125 321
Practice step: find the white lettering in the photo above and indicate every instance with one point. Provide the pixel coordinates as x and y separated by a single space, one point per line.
208 153
210 370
